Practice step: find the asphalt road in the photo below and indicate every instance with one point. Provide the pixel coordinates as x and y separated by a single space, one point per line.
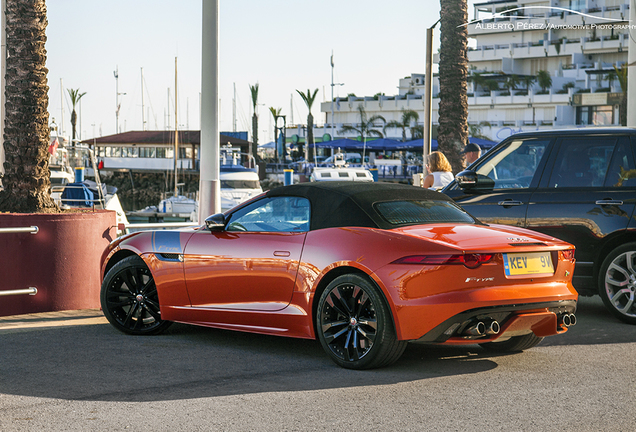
74 372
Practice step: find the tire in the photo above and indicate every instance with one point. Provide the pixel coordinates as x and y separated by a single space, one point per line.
129 298
514 344
354 324
617 282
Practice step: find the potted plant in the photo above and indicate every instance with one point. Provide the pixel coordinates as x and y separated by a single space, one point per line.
62 260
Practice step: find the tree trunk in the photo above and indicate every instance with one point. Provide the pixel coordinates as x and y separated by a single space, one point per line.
73 126
310 136
27 183
255 136
452 133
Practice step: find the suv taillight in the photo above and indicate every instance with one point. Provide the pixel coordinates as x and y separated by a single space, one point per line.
567 255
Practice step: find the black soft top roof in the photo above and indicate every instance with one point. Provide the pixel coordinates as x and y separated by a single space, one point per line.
340 204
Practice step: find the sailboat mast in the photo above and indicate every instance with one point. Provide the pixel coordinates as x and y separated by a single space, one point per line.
143 119
176 132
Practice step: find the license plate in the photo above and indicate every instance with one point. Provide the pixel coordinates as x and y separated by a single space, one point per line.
531 263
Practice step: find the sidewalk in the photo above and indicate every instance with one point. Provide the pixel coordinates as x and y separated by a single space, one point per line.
51 319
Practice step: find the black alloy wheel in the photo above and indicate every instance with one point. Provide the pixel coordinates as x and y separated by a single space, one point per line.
354 324
129 298
617 282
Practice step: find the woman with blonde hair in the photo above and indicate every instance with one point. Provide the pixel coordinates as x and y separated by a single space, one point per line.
440 171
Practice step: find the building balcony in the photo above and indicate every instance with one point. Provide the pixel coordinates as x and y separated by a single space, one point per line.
563 46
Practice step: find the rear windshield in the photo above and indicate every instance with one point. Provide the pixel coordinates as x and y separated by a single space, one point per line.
422 212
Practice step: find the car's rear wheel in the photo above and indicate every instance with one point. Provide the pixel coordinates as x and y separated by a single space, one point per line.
514 344
129 298
354 324
617 282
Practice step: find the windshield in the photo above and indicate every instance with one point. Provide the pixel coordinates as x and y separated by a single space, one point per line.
422 212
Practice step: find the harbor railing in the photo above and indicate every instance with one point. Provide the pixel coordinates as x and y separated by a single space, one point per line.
14 230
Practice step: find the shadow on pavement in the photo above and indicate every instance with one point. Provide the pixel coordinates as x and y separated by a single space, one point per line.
96 362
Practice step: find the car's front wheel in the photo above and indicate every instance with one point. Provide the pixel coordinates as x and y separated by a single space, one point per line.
129 298
354 324
617 282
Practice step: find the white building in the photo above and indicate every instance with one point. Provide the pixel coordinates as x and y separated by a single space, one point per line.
578 42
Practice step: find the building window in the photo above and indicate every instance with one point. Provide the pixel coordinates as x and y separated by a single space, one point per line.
165 152
601 115
147 152
185 152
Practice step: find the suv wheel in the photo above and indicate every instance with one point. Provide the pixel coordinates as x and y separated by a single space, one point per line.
617 282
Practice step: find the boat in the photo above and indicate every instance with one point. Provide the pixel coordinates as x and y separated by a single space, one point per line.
238 180
60 168
238 176
69 188
341 171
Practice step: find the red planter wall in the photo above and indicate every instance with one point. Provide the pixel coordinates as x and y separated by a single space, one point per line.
61 260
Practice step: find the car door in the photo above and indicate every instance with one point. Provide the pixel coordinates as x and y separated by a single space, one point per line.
585 196
252 263
514 169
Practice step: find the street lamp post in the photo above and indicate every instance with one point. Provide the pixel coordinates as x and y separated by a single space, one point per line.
428 94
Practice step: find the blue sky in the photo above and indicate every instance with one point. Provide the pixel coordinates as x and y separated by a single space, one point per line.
283 45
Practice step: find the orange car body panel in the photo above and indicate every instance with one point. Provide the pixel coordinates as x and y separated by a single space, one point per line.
266 282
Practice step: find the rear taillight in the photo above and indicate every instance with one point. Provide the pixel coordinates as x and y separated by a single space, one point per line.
567 255
469 260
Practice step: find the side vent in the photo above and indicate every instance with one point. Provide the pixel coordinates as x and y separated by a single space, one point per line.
169 257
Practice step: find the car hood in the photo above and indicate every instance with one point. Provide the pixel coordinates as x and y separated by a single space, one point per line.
482 237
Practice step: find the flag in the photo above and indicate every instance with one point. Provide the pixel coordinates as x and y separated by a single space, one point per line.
53 146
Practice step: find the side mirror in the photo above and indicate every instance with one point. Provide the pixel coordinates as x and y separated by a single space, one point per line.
215 222
470 181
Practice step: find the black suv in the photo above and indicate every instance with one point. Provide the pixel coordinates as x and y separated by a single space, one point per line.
576 185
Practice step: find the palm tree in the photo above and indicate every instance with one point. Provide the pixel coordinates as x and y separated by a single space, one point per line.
276 113
309 101
365 128
478 81
452 133
75 96
528 81
254 93
544 80
406 120
26 181
621 75
511 83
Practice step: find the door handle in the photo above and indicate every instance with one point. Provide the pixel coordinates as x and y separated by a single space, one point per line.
609 202
282 253
507 203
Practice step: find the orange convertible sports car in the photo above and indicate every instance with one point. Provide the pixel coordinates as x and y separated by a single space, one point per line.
363 267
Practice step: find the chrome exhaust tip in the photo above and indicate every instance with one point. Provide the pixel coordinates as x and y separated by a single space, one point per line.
477 329
492 328
566 320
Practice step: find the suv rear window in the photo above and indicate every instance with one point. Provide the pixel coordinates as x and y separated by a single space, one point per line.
584 162
422 212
